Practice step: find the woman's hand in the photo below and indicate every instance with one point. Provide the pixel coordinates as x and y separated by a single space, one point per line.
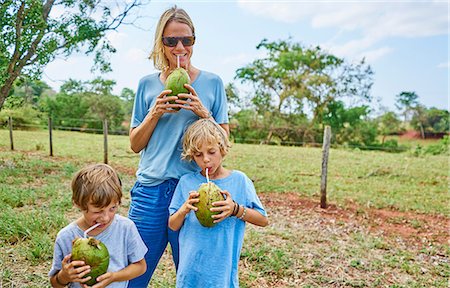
192 102
225 207
162 104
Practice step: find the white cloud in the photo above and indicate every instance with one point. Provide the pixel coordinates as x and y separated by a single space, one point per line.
376 21
373 55
117 39
136 55
409 19
242 59
444 65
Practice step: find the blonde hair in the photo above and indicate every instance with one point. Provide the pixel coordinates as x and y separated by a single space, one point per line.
97 184
201 132
176 14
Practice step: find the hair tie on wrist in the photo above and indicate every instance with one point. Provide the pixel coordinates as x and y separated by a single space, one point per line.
243 214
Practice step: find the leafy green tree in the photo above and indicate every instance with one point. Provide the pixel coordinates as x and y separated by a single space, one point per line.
406 102
85 105
32 35
26 91
430 120
233 96
127 96
347 123
388 124
292 76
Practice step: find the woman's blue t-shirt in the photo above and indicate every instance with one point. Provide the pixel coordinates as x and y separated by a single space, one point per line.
161 160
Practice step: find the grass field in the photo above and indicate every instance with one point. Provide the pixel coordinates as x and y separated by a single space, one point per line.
304 246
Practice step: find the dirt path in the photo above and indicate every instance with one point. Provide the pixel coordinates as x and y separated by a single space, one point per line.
410 226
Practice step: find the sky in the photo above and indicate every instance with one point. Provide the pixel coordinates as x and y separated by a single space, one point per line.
406 43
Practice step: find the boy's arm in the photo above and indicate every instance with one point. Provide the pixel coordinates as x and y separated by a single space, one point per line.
56 282
132 271
74 271
176 220
252 216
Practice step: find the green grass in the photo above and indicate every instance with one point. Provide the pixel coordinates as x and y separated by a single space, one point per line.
370 178
298 249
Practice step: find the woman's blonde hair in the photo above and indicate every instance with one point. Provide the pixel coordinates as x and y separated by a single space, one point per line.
173 14
201 132
96 184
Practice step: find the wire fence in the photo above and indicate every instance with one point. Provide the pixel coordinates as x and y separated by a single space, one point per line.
108 131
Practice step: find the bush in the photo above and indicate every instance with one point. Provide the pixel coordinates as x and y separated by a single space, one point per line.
442 147
25 117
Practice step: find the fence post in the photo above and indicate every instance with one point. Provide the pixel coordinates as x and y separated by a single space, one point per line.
325 152
50 128
105 141
11 132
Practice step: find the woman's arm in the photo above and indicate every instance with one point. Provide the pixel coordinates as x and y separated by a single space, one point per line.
140 135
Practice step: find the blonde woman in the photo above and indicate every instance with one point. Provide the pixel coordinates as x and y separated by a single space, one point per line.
157 129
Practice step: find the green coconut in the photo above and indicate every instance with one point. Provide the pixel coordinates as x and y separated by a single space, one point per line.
209 193
175 82
94 253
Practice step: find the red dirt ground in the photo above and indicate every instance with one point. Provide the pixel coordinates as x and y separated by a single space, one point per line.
410 226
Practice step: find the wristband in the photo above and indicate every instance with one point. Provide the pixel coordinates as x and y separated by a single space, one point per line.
234 209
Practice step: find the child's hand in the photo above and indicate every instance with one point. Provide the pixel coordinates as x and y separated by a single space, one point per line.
102 281
73 271
188 205
225 207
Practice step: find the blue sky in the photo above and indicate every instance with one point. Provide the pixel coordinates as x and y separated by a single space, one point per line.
405 42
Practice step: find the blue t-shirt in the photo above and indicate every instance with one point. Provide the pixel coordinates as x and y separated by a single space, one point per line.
161 160
125 246
209 256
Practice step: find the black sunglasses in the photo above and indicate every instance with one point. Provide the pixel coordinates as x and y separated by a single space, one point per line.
173 41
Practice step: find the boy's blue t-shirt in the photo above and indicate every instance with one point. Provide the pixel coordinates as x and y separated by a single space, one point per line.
161 160
125 246
209 256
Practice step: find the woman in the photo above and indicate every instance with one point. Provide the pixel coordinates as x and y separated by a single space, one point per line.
157 129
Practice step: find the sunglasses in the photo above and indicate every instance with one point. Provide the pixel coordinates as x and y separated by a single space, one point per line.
173 41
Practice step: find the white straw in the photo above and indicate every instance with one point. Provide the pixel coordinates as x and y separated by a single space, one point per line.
207 177
90 229
178 61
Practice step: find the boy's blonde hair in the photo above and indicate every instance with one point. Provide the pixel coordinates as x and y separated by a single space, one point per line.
176 14
97 184
204 131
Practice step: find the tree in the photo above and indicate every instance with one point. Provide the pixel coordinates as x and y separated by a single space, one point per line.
85 104
388 124
32 36
292 76
406 102
26 91
432 120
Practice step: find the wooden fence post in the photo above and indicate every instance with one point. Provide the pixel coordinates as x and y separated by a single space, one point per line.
325 152
105 141
50 135
11 132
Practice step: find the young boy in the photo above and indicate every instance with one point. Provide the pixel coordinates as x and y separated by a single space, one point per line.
97 192
209 256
